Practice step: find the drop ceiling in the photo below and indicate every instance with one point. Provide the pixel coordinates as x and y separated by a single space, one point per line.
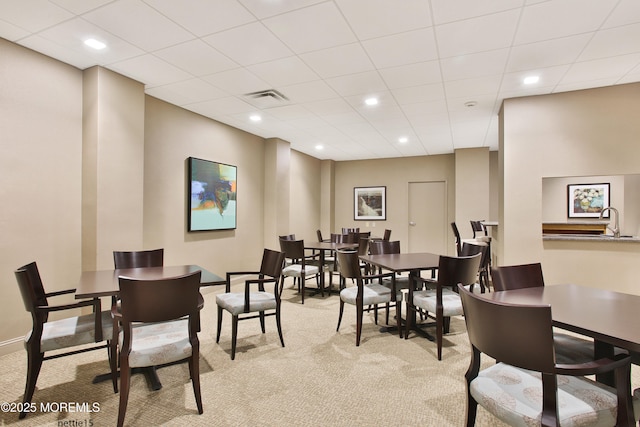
439 69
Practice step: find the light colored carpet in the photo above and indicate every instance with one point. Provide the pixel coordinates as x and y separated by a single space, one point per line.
319 379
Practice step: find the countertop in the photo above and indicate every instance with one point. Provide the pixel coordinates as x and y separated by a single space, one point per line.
590 238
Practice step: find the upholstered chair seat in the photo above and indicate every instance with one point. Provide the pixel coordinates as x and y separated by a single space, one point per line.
515 396
72 331
234 303
426 300
372 294
159 343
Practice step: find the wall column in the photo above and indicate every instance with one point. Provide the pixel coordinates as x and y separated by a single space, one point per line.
277 185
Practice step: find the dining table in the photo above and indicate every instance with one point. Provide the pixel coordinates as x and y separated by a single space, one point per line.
609 317
413 263
105 283
323 248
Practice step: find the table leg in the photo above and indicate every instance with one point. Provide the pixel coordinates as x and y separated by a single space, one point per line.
150 373
602 349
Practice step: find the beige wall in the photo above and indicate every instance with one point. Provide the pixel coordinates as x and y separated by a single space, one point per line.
305 196
40 167
582 133
395 174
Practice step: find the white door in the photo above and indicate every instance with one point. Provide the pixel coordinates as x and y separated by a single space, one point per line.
428 228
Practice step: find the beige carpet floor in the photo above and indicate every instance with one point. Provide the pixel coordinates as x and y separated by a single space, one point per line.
319 379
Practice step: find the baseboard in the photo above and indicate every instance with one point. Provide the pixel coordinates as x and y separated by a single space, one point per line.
11 346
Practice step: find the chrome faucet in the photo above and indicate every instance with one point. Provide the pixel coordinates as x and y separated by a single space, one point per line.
616 226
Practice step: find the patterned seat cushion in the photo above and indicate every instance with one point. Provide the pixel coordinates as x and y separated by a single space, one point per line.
373 294
451 303
514 396
234 302
159 343
295 270
72 331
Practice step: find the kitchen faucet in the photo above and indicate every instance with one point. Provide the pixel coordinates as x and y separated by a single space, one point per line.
616 226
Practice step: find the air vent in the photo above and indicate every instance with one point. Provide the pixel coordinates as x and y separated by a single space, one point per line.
269 93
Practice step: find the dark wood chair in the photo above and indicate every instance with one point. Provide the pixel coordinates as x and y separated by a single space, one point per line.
252 300
138 259
521 338
443 302
381 247
300 265
478 229
456 234
72 333
346 230
569 348
387 234
166 314
469 249
363 294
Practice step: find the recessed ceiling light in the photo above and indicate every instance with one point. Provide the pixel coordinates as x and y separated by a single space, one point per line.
529 80
319 147
255 118
403 139
470 103
371 101
98 45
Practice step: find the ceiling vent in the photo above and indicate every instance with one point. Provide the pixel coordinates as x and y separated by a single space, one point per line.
266 98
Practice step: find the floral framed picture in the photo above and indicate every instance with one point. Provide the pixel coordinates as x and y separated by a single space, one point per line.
370 203
587 200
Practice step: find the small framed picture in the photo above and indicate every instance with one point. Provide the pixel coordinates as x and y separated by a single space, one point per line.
587 200
370 203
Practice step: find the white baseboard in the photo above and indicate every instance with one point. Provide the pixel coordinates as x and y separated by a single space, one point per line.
12 345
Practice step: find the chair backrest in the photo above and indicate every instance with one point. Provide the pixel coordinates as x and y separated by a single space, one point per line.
519 335
456 233
453 271
469 249
387 234
380 247
363 245
31 288
338 238
288 237
350 230
158 300
478 227
521 276
138 259
349 264
293 249
319 234
272 262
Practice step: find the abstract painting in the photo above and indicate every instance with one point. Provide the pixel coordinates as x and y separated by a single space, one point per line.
212 195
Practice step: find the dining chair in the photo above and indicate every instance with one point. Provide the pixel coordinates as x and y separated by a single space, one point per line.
346 230
165 312
73 332
456 234
442 302
363 294
252 300
387 234
569 348
469 249
527 386
299 265
478 229
138 259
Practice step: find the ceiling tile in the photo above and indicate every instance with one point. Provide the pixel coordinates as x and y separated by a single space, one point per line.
237 82
412 75
376 18
249 44
186 92
625 12
402 49
554 19
357 84
283 72
138 23
33 15
615 41
600 69
474 65
264 9
548 53
196 57
338 61
448 11
307 29
203 17
79 6
417 94
150 70
477 35
470 88
309 92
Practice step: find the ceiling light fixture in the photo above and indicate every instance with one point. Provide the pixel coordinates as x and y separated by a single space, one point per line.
371 101
255 118
531 80
319 147
95 44
470 103
403 139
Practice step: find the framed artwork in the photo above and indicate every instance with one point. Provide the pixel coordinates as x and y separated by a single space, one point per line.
587 200
212 195
370 203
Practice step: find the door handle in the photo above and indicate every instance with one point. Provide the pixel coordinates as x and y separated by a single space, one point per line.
412 223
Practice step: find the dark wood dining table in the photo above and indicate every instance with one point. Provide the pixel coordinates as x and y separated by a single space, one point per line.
322 248
413 263
104 283
610 318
